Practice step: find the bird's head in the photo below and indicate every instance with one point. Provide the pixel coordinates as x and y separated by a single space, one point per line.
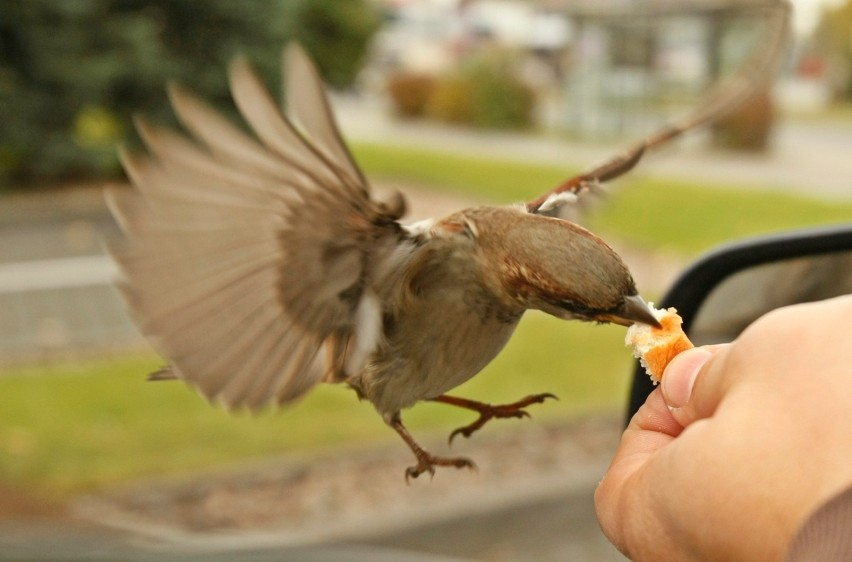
555 266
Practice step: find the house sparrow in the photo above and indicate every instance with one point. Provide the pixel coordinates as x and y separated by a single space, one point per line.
260 267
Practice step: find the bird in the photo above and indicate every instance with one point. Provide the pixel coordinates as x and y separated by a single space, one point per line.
259 264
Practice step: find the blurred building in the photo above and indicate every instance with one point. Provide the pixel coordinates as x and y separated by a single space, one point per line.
601 68
431 35
633 64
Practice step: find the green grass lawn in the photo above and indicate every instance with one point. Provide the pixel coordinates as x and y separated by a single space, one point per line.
72 427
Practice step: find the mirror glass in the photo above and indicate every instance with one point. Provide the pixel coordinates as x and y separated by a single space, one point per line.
745 296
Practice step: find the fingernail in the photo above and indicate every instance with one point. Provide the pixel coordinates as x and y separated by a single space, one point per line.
680 374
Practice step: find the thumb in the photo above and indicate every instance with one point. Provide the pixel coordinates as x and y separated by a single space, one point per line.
691 384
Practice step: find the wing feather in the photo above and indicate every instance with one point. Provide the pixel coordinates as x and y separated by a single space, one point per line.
176 151
309 107
243 254
276 132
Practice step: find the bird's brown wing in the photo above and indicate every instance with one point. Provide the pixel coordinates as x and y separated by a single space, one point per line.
243 255
726 96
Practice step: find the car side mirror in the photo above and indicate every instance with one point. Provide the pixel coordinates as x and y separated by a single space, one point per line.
727 289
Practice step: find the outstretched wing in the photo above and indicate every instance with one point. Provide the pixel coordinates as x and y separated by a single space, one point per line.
726 96
243 255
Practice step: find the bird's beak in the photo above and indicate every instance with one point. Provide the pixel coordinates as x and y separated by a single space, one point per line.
634 310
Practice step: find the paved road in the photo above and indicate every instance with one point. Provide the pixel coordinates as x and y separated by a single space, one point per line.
560 527
56 293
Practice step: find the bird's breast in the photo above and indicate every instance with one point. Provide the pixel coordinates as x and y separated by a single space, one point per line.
445 335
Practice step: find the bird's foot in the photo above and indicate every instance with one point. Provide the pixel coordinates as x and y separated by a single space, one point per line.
427 462
491 411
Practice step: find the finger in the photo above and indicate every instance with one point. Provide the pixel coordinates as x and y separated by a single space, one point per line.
650 429
654 416
695 382
680 375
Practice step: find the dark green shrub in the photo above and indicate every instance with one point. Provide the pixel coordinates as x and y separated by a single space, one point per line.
72 72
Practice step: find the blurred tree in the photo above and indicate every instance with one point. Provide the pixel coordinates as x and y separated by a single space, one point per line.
336 33
833 36
73 72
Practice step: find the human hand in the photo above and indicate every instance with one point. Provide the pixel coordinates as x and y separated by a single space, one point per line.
739 443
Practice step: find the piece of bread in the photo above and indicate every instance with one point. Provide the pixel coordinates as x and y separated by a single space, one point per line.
655 347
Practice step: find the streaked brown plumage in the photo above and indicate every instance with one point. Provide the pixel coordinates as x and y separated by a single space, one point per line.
260 267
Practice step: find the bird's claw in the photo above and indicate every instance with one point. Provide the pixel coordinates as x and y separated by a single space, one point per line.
427 463
415 471
501 411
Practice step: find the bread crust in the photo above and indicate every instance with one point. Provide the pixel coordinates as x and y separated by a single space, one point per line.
656 347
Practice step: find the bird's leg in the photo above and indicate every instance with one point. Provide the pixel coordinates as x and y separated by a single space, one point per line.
426 462
489 411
